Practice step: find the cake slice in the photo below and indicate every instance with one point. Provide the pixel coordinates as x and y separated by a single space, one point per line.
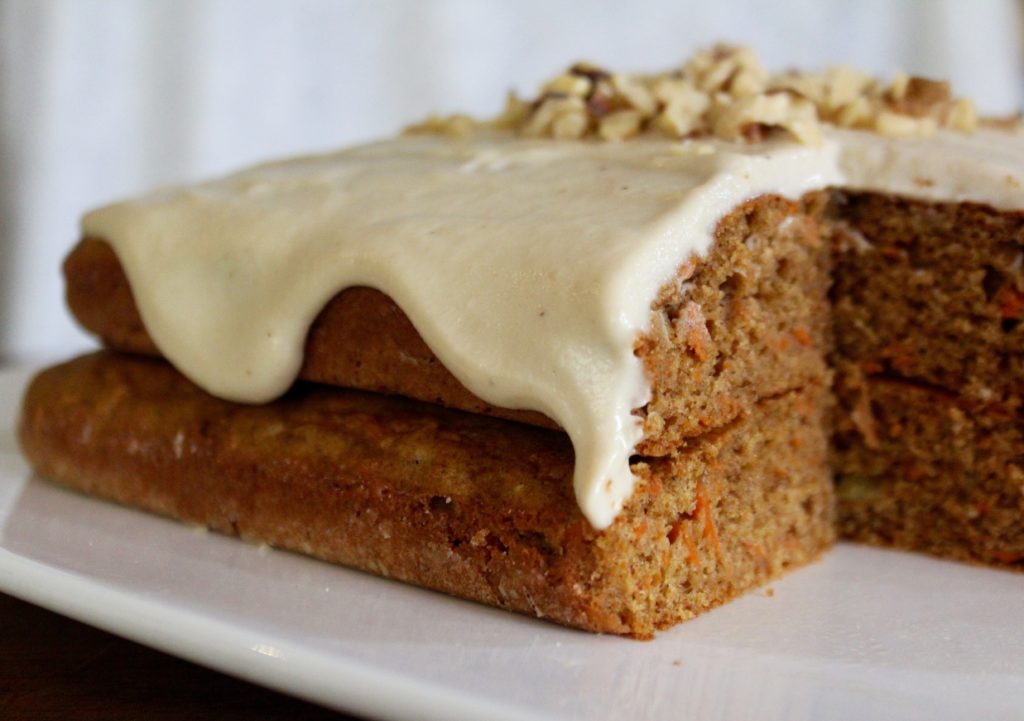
613 365
479 507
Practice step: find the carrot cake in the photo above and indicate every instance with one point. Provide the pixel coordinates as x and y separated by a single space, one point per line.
639 324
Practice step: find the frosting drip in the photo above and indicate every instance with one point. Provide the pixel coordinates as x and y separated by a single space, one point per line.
528 266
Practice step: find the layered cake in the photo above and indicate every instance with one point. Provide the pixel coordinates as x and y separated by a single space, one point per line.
612 358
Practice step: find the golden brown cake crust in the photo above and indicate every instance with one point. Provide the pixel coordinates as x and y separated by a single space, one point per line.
473 506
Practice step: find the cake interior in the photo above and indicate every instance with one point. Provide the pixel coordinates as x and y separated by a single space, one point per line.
927 308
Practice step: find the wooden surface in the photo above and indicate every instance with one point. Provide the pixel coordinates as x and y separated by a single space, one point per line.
54 668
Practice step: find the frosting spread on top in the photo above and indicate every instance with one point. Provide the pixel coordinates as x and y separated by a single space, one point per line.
528 266
985 167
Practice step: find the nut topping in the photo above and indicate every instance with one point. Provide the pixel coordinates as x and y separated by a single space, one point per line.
725 92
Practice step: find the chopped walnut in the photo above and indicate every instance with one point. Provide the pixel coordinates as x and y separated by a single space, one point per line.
724 66
620 125
782 110
727 93
843 86
569 84
895 125
858 113
590 71
898 88
921 96
962 116
682 106
811 87
569 125
550 117
635 93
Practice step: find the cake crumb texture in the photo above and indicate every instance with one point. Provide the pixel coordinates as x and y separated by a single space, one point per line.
478 507
927 314
933 472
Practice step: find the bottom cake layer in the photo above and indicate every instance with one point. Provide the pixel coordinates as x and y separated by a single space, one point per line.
923 469
473 506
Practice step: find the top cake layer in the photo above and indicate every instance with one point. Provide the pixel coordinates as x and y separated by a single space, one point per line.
528 266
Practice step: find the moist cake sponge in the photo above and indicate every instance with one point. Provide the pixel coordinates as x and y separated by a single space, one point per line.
928 311
477 507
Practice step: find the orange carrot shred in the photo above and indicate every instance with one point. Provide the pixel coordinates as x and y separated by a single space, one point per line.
871 366
693 555
1010 302
704 509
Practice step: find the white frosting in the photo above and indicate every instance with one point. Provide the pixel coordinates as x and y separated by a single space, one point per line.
528 266
984 167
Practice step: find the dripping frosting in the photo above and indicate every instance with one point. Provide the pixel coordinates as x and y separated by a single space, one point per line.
528 266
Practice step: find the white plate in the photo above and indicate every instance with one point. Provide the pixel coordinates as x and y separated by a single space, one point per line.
864 634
